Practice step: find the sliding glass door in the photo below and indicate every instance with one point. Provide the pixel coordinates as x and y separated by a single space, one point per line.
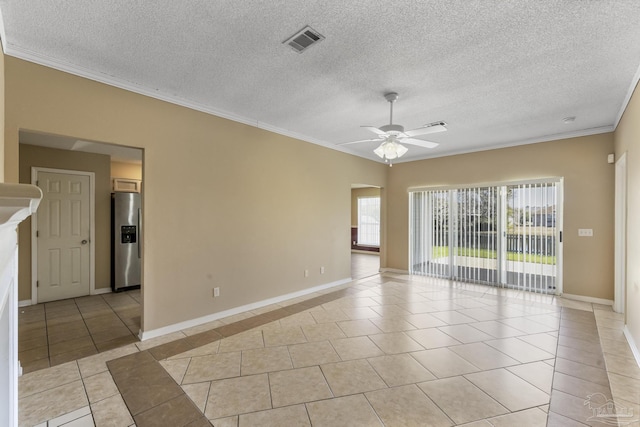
474 244
505 235
532 236
429 252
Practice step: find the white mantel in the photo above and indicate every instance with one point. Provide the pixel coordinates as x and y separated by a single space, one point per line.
17 202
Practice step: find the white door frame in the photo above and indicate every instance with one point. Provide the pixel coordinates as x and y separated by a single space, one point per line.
92 230
620 257
560 237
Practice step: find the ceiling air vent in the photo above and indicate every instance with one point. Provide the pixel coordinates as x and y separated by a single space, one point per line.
304 39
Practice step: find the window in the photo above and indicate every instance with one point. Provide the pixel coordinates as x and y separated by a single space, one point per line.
506 235
369 221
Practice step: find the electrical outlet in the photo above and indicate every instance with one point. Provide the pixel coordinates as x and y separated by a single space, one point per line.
585 232
216 292
306 273
321 270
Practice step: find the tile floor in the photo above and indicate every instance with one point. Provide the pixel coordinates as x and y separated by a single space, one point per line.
390 350
61 331
57 332
364 265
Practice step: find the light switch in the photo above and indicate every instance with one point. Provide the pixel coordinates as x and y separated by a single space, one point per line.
585 232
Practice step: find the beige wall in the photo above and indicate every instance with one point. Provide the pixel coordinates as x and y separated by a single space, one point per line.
360 192
239 216
588 201
31 156
126 170
627 140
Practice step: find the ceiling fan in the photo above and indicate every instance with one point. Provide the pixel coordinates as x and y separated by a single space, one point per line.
391 136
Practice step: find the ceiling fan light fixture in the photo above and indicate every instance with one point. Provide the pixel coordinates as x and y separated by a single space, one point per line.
390 149
390 152
401 149
392 136
380 151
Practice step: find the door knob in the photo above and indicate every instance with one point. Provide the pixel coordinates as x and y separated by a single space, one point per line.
84 242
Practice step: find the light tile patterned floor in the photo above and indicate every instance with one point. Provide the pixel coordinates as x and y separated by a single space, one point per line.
393 351
57 332
364 265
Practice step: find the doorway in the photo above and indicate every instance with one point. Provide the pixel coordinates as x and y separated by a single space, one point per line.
366 230
61 327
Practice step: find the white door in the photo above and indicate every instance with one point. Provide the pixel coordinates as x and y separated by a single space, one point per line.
63 236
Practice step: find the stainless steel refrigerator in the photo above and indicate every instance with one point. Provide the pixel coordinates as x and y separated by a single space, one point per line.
125 241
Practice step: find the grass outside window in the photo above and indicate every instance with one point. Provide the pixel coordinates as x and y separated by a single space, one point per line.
443 251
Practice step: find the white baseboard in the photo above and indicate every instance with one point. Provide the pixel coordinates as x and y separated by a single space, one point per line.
588 299
25 303
634 347
146 335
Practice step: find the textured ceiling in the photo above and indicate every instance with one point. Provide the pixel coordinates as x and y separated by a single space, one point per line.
498 72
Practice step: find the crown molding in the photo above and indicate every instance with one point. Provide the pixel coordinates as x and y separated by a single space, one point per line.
3 35
546 138
627 98
46 61
79 71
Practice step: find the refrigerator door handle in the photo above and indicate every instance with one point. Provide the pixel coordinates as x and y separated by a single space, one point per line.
139 232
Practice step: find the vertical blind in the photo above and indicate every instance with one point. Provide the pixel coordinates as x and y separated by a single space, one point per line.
532 236
369 221
503 235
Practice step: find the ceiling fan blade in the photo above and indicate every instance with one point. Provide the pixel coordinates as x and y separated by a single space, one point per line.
375 130
425 130
418 142
362 140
